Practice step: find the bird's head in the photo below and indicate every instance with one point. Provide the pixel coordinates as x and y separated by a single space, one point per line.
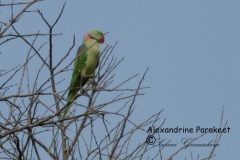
95 34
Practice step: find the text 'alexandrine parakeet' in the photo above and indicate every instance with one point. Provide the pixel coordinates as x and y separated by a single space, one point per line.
85 63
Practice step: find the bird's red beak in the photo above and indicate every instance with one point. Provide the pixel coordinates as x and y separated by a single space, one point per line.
101 40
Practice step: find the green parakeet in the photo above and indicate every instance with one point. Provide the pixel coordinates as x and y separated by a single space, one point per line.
85 63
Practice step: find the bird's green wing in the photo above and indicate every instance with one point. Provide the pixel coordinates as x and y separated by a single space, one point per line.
79 64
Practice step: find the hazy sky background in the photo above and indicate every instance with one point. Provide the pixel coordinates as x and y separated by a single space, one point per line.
192 49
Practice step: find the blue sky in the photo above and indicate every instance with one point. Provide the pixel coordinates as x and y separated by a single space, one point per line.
191 48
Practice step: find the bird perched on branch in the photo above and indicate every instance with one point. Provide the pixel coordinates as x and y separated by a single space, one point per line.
85 63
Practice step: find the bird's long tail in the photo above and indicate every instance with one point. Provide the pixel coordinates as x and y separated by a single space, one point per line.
68 106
